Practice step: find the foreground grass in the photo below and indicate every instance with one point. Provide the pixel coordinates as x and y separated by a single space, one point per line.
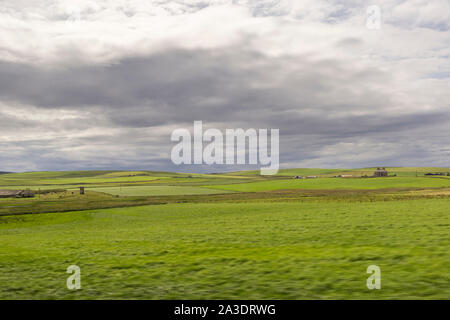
231 251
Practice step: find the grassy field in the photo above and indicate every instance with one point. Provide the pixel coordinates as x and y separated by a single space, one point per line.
156 235
230 251
339 183
399 171
156 190
99 179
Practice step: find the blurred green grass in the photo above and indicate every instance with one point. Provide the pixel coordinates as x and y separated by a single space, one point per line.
231 251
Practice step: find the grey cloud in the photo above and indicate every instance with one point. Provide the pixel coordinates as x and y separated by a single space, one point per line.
335 110
297 94
314 103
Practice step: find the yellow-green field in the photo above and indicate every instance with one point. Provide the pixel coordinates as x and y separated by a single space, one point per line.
339 183
157 190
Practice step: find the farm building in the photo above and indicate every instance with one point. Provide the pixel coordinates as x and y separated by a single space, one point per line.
16 194
436 174
380 172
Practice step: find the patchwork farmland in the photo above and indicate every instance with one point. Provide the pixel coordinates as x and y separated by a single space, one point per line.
161 235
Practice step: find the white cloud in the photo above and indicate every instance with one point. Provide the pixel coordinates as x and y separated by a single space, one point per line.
104 31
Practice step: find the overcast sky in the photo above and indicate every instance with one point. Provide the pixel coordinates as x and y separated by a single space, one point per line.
102 84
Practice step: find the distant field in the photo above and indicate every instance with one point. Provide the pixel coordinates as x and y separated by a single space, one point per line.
399 171
292 172
70 180
74 179
230 251
156 190
338 183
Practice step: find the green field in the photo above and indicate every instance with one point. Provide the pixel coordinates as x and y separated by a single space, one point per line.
399 171
339 183
256 251
159 235
156 190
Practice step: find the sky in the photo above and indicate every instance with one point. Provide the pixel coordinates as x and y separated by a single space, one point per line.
102 84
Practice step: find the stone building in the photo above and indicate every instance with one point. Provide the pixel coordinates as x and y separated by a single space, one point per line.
380 172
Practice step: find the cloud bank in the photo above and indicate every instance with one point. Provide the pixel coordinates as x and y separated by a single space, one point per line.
101 85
